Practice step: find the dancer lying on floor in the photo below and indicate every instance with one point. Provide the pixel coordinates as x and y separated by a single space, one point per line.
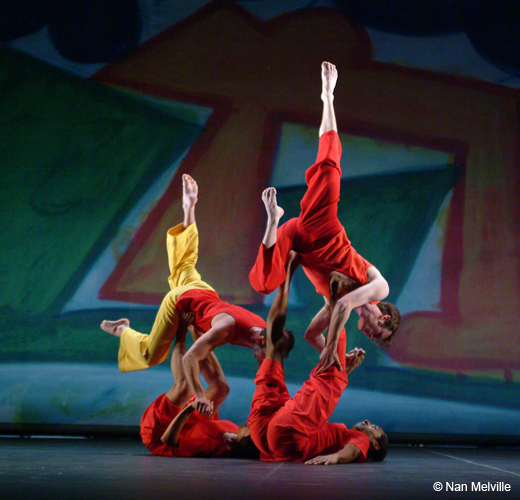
171 426
298 428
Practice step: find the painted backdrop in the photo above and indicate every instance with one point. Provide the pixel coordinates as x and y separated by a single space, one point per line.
91 171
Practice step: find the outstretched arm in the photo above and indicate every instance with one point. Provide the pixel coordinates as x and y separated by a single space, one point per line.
180 393
317 327
215 394
339 284
218 387
348 454
220 333
374 290
171 434
278 312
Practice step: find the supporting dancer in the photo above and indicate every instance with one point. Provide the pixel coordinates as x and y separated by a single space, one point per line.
321 241
221 322
297 429
170 426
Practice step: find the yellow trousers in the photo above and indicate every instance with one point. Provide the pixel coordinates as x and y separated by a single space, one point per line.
138 351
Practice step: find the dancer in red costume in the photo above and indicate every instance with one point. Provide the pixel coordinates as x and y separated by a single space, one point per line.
170 426
324 248
297 429
220 322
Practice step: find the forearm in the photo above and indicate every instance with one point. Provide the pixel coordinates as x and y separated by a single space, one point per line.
223 326
345 456
314 334
278 312
317 341
218 387
192 373
348 454
281 299
171 434
339 318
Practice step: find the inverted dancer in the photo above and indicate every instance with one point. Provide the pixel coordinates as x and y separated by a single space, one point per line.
221 322
321 241
170 426
298 428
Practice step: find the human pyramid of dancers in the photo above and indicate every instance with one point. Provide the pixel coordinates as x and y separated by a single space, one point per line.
184 421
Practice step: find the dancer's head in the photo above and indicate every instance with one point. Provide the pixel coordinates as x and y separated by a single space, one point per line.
378 440
380 322
391 324
284 345
244 446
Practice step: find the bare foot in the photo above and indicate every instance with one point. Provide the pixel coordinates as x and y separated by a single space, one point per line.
274 211
329 77
115 327
190 191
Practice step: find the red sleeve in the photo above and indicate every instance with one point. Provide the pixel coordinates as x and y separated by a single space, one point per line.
361 440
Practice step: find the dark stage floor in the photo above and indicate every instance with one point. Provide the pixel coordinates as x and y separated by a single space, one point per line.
106 469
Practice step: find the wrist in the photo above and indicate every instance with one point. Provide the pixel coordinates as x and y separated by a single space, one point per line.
199 394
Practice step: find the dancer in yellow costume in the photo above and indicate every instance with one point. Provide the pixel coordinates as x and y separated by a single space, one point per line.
138 351
220 322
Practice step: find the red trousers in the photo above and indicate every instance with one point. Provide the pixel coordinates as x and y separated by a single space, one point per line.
297 429
317 234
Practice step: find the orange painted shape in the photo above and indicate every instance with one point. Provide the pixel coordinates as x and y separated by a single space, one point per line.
255 74
224 58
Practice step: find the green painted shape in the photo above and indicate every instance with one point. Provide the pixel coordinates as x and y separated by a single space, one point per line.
75 156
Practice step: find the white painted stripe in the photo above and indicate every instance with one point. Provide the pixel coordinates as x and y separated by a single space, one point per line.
473 463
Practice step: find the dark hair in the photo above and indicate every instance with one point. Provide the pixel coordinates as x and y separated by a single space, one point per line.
245 448
392 324
290 342
378 455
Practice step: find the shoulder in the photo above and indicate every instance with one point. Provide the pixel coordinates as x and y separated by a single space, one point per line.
376 279
360 440
373 273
